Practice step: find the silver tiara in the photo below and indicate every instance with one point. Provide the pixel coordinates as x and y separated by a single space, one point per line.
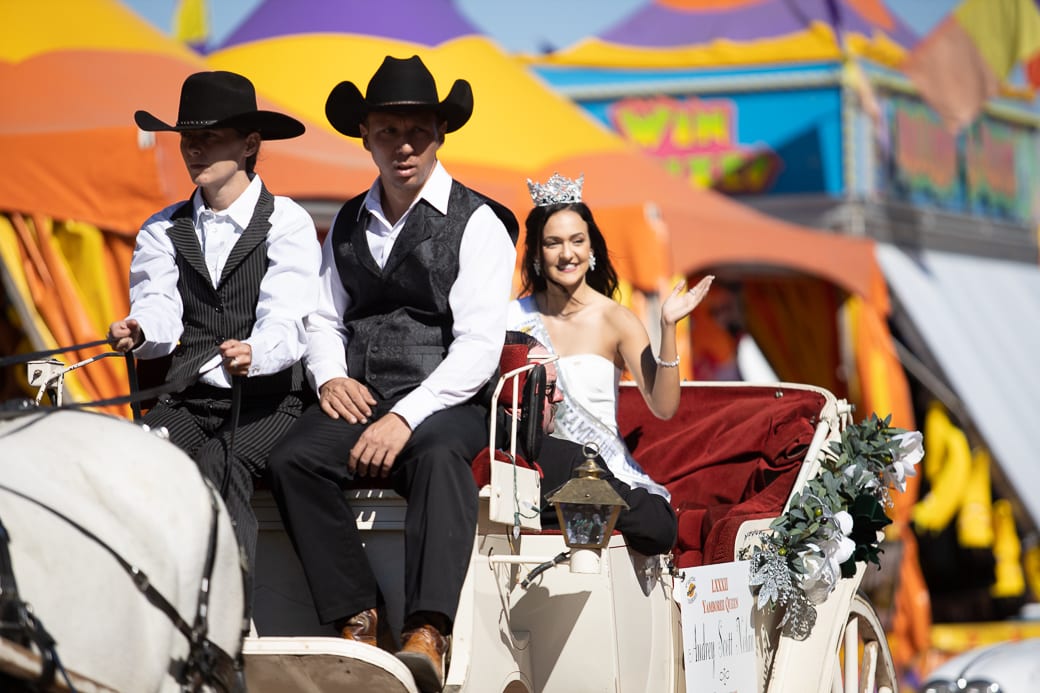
557 190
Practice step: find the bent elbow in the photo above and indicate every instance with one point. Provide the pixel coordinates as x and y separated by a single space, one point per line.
665 413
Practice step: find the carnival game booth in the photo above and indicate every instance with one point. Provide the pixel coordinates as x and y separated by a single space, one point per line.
537 615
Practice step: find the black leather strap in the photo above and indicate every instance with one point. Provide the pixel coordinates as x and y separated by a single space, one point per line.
36 355
17 622
205 658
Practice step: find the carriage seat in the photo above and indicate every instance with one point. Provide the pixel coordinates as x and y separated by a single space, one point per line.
729 455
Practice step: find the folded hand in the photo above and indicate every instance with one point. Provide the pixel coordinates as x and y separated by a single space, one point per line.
347 398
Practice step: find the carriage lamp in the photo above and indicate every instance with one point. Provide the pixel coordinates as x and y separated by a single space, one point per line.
587 507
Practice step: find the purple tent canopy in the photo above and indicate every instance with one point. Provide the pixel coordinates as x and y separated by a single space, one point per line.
657 26
426 22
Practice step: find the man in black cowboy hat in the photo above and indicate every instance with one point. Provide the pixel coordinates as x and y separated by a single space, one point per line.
221 284
416 276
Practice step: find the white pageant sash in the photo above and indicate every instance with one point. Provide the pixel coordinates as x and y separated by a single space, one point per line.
576 423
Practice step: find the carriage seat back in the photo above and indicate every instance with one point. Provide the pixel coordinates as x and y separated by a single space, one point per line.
730 454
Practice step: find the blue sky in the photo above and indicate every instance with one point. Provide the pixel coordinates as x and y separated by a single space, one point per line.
525 25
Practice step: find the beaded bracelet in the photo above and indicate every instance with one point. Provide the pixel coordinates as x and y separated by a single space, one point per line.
667 364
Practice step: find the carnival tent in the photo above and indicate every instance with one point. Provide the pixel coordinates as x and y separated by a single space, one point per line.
295 53
73 74
728 33
79 177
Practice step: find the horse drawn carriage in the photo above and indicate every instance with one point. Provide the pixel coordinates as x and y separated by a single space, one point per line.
533 616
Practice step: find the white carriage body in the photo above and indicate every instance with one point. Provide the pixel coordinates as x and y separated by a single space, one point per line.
614 629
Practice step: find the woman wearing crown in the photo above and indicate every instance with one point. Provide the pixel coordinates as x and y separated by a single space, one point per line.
569 305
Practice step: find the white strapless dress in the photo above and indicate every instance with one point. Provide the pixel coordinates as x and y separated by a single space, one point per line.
591 384
588 412
592 381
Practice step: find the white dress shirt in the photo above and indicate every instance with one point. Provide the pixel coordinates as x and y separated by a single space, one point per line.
478 301
288 291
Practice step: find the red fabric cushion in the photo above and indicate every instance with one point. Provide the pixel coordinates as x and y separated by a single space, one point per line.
482 466
729 454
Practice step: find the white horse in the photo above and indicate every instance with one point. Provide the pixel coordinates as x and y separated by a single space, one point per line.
89 502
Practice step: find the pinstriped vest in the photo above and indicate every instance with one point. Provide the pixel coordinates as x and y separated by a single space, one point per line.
213 315
399 323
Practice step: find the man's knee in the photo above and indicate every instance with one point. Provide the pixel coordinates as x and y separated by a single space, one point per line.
649 525
211 457
286 457
455 433
314 445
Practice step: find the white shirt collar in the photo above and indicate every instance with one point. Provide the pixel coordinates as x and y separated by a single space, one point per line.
436 192
241 210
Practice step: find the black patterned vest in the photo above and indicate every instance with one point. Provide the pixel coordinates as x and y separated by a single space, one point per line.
213 315
399 323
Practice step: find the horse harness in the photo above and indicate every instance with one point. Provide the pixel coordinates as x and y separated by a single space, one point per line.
206 663
17 621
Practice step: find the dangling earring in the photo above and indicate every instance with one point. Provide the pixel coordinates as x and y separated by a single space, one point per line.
537 267
592 261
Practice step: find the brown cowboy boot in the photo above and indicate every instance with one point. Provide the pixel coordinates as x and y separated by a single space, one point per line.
425 653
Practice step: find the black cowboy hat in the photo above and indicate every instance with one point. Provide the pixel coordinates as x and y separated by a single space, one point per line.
398 84
221 99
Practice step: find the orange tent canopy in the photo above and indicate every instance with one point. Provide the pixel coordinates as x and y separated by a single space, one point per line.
67 138
71 150
78 177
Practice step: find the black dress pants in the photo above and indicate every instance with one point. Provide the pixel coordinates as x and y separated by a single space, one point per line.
199 422
649 525
308 471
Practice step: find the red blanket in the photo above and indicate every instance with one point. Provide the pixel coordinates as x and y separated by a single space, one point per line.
730 454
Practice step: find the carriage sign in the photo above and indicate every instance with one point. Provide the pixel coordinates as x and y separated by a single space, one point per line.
718 640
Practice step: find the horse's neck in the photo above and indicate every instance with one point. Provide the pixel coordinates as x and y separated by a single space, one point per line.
146 501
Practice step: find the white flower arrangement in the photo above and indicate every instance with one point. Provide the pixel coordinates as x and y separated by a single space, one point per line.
833 522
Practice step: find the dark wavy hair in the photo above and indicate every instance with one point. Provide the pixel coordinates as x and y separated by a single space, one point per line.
603 279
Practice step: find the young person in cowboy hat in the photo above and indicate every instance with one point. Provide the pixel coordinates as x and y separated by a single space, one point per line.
221 283
415 281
